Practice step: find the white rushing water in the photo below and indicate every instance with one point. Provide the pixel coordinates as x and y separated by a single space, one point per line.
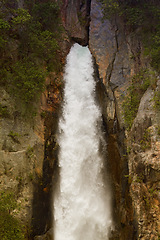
82 208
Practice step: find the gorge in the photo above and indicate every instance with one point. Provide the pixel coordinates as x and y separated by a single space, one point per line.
38 37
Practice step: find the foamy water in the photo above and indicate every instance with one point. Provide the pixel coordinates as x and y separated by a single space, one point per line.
82 204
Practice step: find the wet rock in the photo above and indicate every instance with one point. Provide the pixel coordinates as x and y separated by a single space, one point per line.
47 236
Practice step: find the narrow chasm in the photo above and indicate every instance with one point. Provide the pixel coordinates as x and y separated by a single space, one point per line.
115 162
115 159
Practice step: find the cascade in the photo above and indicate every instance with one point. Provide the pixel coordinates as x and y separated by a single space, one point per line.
82 202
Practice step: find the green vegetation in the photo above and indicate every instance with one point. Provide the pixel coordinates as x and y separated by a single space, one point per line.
14 136
10 227
153 192
140 83
26 89
129 178
29 152
31 176
43 114
158 130
143 15
4 111
29 49
147 202
146 140
81 18
139 178
19 179
156 99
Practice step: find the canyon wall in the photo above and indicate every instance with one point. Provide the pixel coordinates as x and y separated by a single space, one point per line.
119 56
28 148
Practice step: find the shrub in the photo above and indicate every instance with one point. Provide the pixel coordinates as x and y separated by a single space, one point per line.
146 140
10 227
47 13
158 130
21 17
140 83
130 106
110 8
34 35
30 152
14 136
27 81
4 28
4 111
156 99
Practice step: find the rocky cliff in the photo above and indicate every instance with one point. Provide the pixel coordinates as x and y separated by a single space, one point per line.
28 147
119 56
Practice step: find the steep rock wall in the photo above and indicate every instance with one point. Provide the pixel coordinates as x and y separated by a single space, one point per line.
133 154
28 149
75 16
108 46
112 47
21 154
28 154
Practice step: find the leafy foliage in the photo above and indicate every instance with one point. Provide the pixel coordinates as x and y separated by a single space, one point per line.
47 13
4 111
140 83
10 227
21 16
146 140
29 49
110 8
4 27
156 99
28 89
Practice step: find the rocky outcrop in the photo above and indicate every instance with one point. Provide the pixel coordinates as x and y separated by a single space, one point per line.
133 155
28 155
21 154
75 16
108 46
144 167
28 148
47 236
44 188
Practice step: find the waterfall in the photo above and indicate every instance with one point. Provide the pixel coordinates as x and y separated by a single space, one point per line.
82 209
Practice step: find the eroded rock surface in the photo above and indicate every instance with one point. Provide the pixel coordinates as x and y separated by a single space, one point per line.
75 15
133 154
144 167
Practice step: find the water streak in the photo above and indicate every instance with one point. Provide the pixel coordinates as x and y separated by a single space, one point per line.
82 208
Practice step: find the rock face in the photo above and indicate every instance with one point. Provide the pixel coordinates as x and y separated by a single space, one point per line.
44 188
75 15
108 46
28 153
133 155
47 236
21 154
28 148
144 167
